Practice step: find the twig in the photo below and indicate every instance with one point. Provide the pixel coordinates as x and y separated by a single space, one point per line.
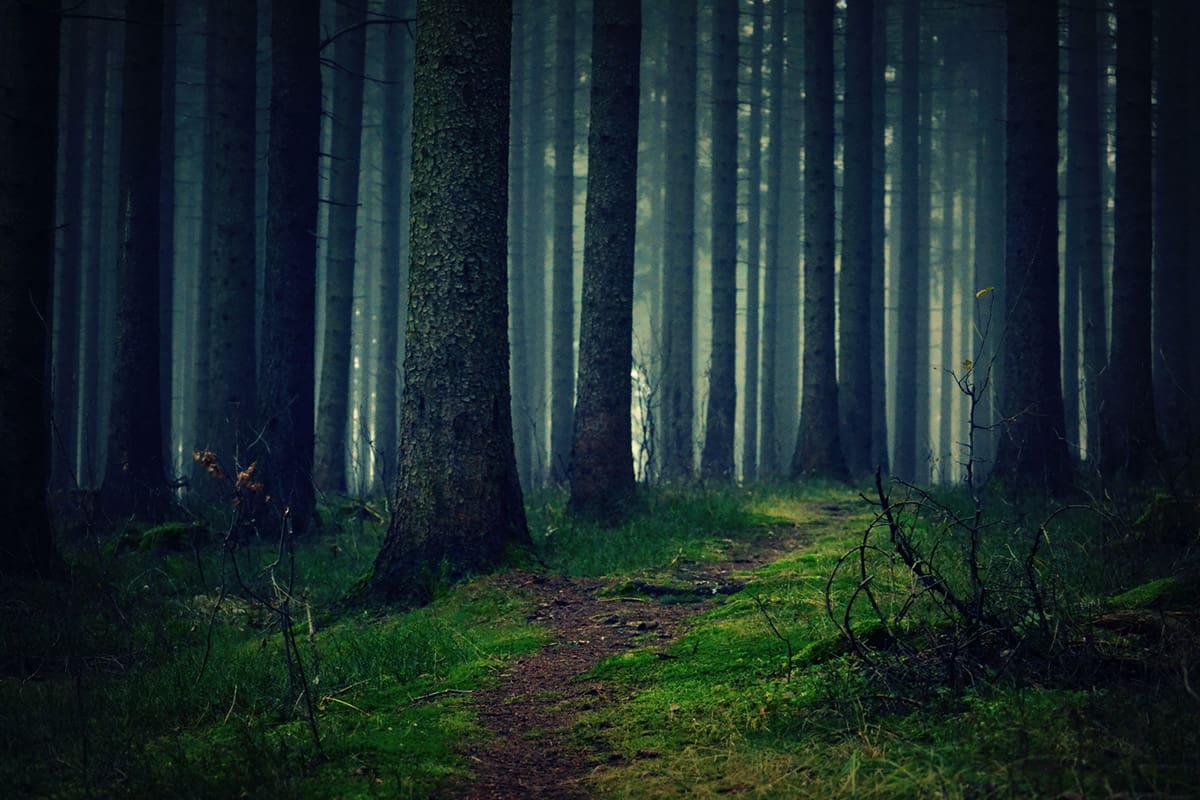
439 693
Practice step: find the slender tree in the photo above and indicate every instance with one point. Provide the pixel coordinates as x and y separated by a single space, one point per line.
905 457
333 404
562 313
750 356
856 384
1128 433
717 458
769 449
535 246
878 300
285 388
28 145
134 481
1032 451
679 246
601 459
458 502
818 449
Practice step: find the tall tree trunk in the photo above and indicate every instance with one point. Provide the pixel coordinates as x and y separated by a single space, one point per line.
458 503
818 444
717 459
535 248
1174 254
1128 433
393 280
65 389
333 404
856 383
28 75
877 283
518 258
285 388
751 355
679 246
769 447
562 313
231 279
905 459
134 481
1083 235
1032 451
601 459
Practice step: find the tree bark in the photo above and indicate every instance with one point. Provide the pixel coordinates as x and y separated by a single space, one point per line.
602 481
905 457
458 502
751 353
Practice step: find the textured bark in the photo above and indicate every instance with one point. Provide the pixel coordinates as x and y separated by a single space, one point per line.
1032 451
750 392
679 263
1128 434
285 388
601 459
535 248
134 481
458 503
717 458
333 404
517 256
562 313
878 300
904 460
818 449
28 74
1083 235
856 384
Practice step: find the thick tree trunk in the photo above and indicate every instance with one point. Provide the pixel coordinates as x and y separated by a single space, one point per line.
458 502
1032 451
601 459
717 459
333 405
134 481
818 444
285 388
28 75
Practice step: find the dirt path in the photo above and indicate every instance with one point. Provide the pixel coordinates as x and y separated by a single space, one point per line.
529 713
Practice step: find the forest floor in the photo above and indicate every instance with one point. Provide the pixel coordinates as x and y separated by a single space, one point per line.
532 749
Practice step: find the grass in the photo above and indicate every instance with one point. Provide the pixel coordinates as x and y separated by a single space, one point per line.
132 680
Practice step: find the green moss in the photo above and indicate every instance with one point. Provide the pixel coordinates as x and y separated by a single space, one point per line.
1155 594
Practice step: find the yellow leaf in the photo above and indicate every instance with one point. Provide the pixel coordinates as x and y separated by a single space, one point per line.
984 292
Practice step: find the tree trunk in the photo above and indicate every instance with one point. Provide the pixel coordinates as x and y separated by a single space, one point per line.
751 355
1128 433
878 299
333 405
717 458
535 248
1032 451
679 246
134 481
285 388
769 450
856 383
601 460
562 314
28 74
458 503
818 444
905 458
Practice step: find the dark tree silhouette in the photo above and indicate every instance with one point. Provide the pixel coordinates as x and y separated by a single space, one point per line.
458 502
750 353
134 481
818 444
905 456
717 457
28 74
601 459
1032 451
285 388
1128 434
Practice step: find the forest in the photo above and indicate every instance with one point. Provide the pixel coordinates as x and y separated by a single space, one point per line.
625 398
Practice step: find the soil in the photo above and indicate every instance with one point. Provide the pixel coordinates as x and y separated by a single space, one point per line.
529 751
